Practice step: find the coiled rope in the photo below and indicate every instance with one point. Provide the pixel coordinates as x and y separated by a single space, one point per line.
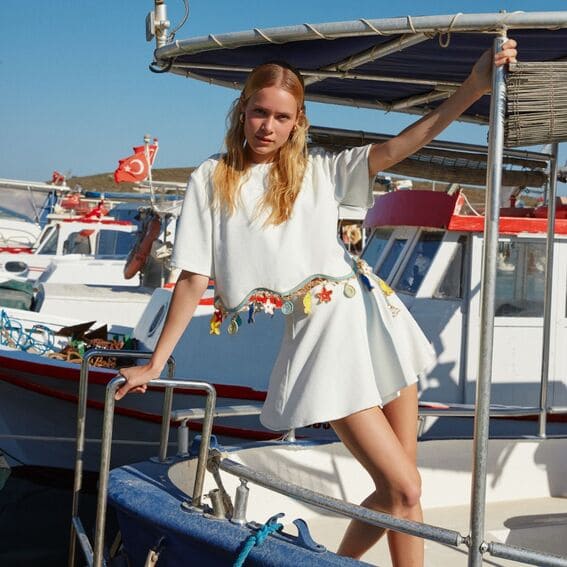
13 335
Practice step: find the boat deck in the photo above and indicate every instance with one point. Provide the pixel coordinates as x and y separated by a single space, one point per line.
537 523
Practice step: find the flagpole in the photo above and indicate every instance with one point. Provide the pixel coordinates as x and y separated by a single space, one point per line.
147 139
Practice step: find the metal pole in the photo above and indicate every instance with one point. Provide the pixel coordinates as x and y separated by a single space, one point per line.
106 447
548 299
166 414
107 423
205 442
372 517
488 287
81 416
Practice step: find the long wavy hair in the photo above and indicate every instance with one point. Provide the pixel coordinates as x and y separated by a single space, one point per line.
288 167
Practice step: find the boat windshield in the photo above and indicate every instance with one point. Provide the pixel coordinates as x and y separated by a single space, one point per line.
420 260
520 278
115 243
391 258
48 241
451 286
376 245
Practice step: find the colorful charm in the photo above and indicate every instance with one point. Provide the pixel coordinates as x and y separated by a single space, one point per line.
307 303
324 296
233 327
215 324
366 281
269 307
349 290
287 307
386 289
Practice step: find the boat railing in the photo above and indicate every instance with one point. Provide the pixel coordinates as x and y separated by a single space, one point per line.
213 460
430 532
95 557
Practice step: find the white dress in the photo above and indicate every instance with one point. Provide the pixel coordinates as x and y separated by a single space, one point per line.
351 344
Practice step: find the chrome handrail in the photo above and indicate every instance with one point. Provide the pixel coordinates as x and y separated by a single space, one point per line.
381 519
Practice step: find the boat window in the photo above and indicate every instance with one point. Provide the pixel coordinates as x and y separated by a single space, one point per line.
420 260
77 243
115 243
48 242
451 286
376 245
520 279
391 258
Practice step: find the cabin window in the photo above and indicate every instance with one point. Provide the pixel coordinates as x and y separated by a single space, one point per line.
115 243
420 260
391 258
48 242
451 286
520 279
77 243
376 245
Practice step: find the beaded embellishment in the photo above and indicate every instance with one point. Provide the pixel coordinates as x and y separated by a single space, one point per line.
268 301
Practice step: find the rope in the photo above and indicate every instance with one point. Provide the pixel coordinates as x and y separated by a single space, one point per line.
445 38
258 538
267 37
13 335
316 31
373 28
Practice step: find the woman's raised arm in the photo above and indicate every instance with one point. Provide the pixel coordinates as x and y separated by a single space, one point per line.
384 155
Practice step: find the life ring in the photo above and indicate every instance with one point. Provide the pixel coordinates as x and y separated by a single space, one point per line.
139 254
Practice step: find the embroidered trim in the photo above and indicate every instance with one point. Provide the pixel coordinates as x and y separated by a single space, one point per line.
267 301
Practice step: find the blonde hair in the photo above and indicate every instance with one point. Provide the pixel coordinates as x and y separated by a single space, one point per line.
288 168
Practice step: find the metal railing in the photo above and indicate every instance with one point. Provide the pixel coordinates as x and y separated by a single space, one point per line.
426 531
94 556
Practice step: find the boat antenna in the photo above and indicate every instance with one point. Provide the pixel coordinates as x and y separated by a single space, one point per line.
157 25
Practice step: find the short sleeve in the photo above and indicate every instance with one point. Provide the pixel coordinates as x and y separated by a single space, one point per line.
193 248
349 173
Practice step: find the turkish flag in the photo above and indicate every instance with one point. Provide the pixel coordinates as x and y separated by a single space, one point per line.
135 167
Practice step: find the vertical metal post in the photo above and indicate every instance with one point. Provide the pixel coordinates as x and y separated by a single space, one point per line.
547 302
105 451
166 414
78 480
206 431
488 288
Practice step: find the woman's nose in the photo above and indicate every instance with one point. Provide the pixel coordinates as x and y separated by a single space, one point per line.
268 123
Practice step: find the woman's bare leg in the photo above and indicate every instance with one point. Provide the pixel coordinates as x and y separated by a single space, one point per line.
401 413
372 441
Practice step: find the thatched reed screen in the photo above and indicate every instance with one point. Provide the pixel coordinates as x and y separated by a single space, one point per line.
536 103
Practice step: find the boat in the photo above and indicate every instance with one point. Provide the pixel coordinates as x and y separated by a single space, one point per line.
159 503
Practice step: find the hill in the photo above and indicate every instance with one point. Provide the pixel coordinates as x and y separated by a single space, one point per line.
105 181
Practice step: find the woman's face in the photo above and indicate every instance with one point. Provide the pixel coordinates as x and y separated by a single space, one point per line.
269 117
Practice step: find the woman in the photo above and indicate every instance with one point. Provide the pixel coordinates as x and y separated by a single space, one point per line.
261 219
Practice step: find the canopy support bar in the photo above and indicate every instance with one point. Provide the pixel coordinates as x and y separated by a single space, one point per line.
548 298
488 287
371 54
323 74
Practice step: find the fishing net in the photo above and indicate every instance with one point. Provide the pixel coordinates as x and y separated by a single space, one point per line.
536 103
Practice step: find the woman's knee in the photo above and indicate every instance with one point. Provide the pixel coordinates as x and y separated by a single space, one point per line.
405 495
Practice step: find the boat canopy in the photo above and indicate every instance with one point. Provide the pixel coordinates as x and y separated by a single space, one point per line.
449 162
407 64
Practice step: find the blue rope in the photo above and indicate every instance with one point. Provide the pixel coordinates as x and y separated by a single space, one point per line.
13 331
256 539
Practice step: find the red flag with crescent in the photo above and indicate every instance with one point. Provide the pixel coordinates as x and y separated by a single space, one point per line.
136 167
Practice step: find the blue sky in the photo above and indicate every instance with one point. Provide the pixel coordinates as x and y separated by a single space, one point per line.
76 93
